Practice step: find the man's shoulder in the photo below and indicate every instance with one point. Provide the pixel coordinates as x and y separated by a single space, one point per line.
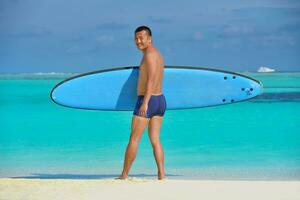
152 53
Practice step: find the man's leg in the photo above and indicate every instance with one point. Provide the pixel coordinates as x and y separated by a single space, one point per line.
154 133
138 125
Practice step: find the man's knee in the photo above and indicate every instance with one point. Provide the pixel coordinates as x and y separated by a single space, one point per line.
155 143
134 140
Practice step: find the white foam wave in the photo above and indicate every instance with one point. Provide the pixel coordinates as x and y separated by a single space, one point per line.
49 73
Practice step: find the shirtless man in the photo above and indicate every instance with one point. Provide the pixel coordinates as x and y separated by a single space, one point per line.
151 104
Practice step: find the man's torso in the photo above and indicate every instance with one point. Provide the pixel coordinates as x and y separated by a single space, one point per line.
158 76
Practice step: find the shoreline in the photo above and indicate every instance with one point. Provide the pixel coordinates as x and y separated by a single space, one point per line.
142 188
233 175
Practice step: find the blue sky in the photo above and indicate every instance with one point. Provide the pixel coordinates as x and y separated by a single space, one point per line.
81 36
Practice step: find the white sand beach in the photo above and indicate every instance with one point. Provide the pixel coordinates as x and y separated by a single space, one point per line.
146 189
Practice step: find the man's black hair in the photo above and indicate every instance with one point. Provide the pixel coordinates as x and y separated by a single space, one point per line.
143 28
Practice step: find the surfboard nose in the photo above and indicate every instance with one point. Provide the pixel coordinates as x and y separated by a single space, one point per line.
254 89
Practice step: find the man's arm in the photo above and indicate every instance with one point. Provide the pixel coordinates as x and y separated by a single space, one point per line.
151 73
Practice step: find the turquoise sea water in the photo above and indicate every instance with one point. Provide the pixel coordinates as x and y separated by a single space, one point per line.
256 139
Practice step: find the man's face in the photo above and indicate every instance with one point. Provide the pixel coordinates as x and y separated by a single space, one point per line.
142 40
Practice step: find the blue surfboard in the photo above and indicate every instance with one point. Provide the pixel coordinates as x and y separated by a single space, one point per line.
183 88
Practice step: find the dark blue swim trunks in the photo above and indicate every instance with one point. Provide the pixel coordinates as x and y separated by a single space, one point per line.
156 106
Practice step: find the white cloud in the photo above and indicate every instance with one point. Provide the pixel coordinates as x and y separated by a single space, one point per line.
26 32
160 20
105 40
198 36
112 26
73 50
278 39
217 45
237 31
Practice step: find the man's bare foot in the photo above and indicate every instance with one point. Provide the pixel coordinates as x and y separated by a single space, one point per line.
123 177
161 176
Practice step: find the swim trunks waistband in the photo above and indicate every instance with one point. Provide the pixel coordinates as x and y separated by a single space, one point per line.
151 95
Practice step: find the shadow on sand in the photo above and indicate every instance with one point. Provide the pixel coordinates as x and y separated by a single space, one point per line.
86 176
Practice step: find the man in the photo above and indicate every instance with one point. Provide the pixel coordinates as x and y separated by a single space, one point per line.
151 104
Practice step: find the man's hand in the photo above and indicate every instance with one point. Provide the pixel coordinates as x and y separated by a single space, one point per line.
143 109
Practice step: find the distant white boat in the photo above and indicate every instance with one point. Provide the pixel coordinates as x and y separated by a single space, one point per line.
265 69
